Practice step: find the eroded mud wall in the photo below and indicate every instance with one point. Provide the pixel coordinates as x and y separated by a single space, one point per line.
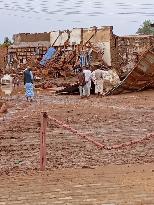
130 49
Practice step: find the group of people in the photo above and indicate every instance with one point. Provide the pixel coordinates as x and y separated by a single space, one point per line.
86 76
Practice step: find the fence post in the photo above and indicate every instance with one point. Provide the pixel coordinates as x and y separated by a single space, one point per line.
44 118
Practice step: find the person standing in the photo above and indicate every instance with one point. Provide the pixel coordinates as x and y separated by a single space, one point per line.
28 82
88 77
98 79
81 81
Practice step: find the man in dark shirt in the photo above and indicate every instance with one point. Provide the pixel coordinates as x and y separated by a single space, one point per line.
81 80
28 82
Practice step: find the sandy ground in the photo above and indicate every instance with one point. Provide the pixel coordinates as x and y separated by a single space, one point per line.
109 185
110 120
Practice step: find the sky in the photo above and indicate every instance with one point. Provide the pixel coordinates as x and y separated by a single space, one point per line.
31 16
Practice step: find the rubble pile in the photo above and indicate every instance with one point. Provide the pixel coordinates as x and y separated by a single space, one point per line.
63 64
65 61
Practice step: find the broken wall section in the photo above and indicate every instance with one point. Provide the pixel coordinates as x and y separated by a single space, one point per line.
99 38
3 58
101 41
130 48
30 37
26 45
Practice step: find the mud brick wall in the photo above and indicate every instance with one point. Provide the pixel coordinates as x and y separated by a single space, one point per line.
102 34
31 37
129 50
114 53
3 57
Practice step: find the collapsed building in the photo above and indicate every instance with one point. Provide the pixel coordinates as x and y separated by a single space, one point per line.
26 45
94 45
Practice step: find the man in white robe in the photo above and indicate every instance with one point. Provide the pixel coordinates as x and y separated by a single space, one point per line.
98 79
87 86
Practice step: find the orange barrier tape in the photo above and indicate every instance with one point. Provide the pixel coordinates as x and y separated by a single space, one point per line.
102 146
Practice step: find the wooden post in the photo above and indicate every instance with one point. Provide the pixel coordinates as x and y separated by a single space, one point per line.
44 118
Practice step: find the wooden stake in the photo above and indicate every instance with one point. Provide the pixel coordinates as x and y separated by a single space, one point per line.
44 118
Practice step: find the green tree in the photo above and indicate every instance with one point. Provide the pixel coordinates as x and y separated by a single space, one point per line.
6 42
146 28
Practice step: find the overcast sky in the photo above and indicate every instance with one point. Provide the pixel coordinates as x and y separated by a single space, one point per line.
18 16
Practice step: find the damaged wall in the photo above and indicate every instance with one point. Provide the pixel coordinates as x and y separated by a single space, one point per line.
130 48
122 53
3 57
61 38
27 44
31 37
114 54
74 36
100 40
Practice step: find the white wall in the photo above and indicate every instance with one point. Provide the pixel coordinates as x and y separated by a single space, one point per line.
61 40
75 36
105 47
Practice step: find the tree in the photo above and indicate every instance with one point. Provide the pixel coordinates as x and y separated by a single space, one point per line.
6 42
146 28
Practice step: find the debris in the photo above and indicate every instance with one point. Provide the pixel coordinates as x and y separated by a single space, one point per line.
141 77
3 108
74 89
6 79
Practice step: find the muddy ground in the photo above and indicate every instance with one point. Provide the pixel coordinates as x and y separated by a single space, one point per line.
110 120
78 172
108 185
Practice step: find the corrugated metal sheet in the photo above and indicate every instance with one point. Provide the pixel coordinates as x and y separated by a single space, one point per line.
140 77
